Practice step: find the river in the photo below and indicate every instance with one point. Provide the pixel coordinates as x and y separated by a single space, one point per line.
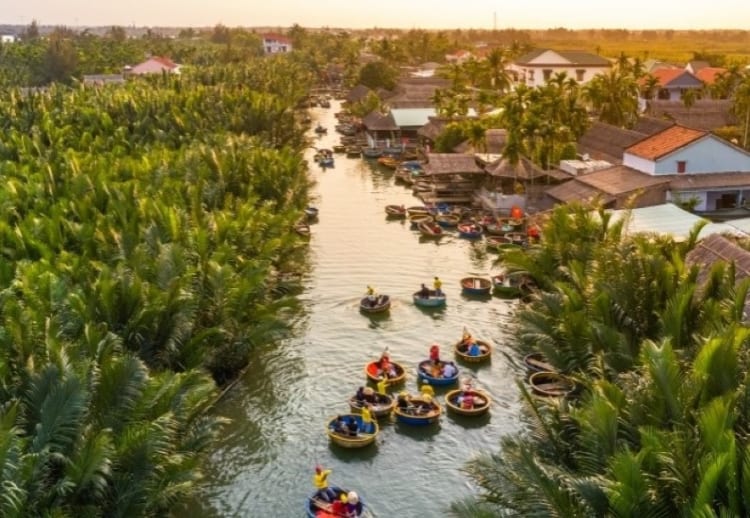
264 461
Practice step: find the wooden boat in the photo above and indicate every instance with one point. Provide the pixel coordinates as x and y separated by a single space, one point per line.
447 220
380 304
372 371
353 152
476 285
326 161
536 362
339 148
425 373
502 244
418 210
416 219
516 237
432 301
303 229
395 211
418 412
389 162
469 230
551 384
510 285
480 405
311 212
316 508
381 407
461 348
320 130
371 152
430 229
345 440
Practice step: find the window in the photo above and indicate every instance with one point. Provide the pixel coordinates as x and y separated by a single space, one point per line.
681 165
531 76
547 74
580 73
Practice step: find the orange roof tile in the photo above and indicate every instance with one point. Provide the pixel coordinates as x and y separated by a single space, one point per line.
667 75
164 61
708 74
665 142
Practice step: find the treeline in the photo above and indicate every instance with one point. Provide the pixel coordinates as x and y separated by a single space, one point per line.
142 228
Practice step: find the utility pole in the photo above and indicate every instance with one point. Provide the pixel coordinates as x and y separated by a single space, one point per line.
494 21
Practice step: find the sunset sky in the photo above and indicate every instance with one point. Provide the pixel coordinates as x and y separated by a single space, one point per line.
428 14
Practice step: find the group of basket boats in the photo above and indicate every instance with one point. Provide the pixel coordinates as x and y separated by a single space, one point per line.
409 409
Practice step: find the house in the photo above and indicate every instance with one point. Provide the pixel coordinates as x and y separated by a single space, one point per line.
274 43
357 94
708 75
539 66
7 38
602 141
694 66
380 130
672 82
459 57
415 92
451 177
154 65
705 114
678 164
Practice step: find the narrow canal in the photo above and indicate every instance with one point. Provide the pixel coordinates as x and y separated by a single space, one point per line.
264 462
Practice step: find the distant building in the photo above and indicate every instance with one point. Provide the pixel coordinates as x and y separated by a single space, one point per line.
7 38
276 43
673 82
155 65
539 66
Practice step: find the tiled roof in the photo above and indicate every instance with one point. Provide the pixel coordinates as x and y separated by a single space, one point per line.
673 77
665 142
685 182
708 74
576 191
451 163
574 57
165 61
606 142
272 36
620 180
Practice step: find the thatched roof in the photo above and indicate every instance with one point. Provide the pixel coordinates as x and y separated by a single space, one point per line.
451 163
432 129
524 170
620 180
576 191
494 141
358 93
705 114
651 126
606 142
376 121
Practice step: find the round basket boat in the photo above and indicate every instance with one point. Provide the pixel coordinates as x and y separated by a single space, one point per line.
360 440
419 412
476 286
551 384
381 407
315 507
480 405
462 353
424 373
382 303
536 362
373 373
432 301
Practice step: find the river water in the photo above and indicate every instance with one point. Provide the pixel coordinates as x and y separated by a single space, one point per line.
264 461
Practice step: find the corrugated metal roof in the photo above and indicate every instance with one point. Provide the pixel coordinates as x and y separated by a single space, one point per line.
412 117
666 219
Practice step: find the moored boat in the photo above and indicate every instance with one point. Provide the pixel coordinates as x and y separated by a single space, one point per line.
536 362
395 211
339 148
311 212
303 229
381 406
447 220
365 435
375 374
417 410
389 162
468 402
432 299
418 210
371 152
501 244
353 152
476 286
430 229
378 304
551 384
320 130
510 285
431 372
416 219
464 352
469 230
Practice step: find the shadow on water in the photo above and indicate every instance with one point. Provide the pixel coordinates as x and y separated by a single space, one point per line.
418 433
354 455
470 422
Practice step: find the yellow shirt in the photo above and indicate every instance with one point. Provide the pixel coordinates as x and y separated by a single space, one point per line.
321 479
383 385
437 284
366 415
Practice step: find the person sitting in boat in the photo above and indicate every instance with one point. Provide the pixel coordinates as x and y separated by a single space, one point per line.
449 370
467 400
360 395
369 395
387 370
339 506
474 349
437 285
427 392
320 479
466 338
424 292
435 353
339 426
402 401
354 507
352 426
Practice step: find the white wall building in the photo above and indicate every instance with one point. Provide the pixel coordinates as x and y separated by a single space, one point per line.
539 66
276 43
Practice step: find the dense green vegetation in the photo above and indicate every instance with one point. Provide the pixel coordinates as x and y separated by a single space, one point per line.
660 425
142 229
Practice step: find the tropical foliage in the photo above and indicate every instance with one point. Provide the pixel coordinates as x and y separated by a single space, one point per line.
142 227
660 425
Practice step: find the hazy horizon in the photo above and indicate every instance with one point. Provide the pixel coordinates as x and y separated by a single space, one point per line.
418 14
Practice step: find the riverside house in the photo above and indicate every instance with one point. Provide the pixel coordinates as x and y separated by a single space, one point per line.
539 66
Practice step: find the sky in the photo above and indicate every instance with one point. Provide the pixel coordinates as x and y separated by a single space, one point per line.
420 14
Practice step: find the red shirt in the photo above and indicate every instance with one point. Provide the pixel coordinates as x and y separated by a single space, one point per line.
434 353
338 508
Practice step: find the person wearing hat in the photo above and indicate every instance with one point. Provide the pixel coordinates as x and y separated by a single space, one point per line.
320 479
353 505
437 284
